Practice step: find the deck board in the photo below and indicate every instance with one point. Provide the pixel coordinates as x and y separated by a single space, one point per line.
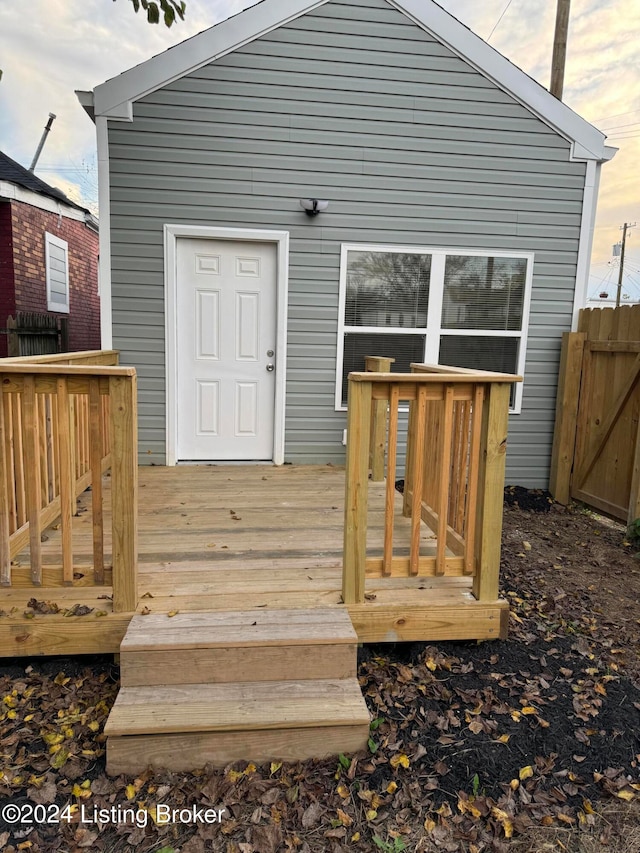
237 537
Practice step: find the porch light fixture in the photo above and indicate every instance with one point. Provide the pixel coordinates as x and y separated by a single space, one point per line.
313 206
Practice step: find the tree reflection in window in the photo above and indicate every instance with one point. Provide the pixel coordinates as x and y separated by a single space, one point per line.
387 289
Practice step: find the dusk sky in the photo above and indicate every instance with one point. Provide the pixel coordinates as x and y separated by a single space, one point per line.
49 48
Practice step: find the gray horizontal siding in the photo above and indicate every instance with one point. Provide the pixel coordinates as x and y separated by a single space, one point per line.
353 103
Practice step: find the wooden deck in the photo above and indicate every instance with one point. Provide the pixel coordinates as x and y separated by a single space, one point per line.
229 538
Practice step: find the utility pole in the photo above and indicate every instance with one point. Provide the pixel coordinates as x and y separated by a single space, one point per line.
626 227
559 49
45 133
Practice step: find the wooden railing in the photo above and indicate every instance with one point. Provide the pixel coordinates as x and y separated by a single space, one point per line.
64 421
455 440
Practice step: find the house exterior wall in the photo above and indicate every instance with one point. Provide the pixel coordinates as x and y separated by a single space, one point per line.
29 225
7 292
355 104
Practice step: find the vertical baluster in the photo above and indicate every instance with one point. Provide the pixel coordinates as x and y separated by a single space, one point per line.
9 447
21 497
67 484
445 474
462 475
408 462
96 451
42 458
472 491
5 551
417 474
56 454
31 444
390 494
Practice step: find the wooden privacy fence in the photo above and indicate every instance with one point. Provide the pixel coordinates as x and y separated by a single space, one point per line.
64 421
453 479
30 333
596 445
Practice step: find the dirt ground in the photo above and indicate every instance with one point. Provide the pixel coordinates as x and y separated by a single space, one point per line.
525 745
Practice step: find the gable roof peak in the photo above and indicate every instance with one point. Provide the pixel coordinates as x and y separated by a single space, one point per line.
114 99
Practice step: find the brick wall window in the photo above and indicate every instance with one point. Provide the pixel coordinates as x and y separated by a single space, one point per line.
57 264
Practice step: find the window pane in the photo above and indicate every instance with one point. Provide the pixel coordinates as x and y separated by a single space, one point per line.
483 293
358 345
387 289
481 353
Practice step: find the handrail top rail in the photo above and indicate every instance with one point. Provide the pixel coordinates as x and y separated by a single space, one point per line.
59 357
435 378
66 370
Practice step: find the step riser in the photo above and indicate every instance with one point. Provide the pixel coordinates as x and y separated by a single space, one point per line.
185 752
232 665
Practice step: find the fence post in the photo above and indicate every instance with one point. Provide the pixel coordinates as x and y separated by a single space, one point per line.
124 490
567 402
379 409
356 491
493 449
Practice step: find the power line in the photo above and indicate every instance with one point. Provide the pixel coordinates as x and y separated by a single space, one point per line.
495 26
619 126
617 115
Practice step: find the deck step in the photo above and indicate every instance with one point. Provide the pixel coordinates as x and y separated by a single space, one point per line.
253 645
184 727
215 687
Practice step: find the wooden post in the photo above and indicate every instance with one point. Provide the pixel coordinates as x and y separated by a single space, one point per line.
124 491
559 57
567 400
378 364
5 554
493 449
634 495
356 492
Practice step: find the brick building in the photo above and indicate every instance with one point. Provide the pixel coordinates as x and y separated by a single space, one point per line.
48 256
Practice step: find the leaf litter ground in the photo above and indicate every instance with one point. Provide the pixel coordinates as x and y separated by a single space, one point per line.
527 744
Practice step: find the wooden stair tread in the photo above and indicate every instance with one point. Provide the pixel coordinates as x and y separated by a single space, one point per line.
237 707
258 627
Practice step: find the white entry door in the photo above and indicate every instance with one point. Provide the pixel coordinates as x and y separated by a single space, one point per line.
225 349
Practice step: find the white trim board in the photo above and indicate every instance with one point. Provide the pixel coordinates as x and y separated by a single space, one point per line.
104 263
14 192
281 239
115 97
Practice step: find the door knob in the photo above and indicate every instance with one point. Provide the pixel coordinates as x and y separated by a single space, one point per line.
271 368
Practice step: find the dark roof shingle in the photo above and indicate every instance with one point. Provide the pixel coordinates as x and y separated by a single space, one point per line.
16 174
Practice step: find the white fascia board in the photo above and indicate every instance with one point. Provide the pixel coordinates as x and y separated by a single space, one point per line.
488 61
195 52
13 192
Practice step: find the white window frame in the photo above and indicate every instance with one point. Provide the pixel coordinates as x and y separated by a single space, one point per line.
433 330
52 304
